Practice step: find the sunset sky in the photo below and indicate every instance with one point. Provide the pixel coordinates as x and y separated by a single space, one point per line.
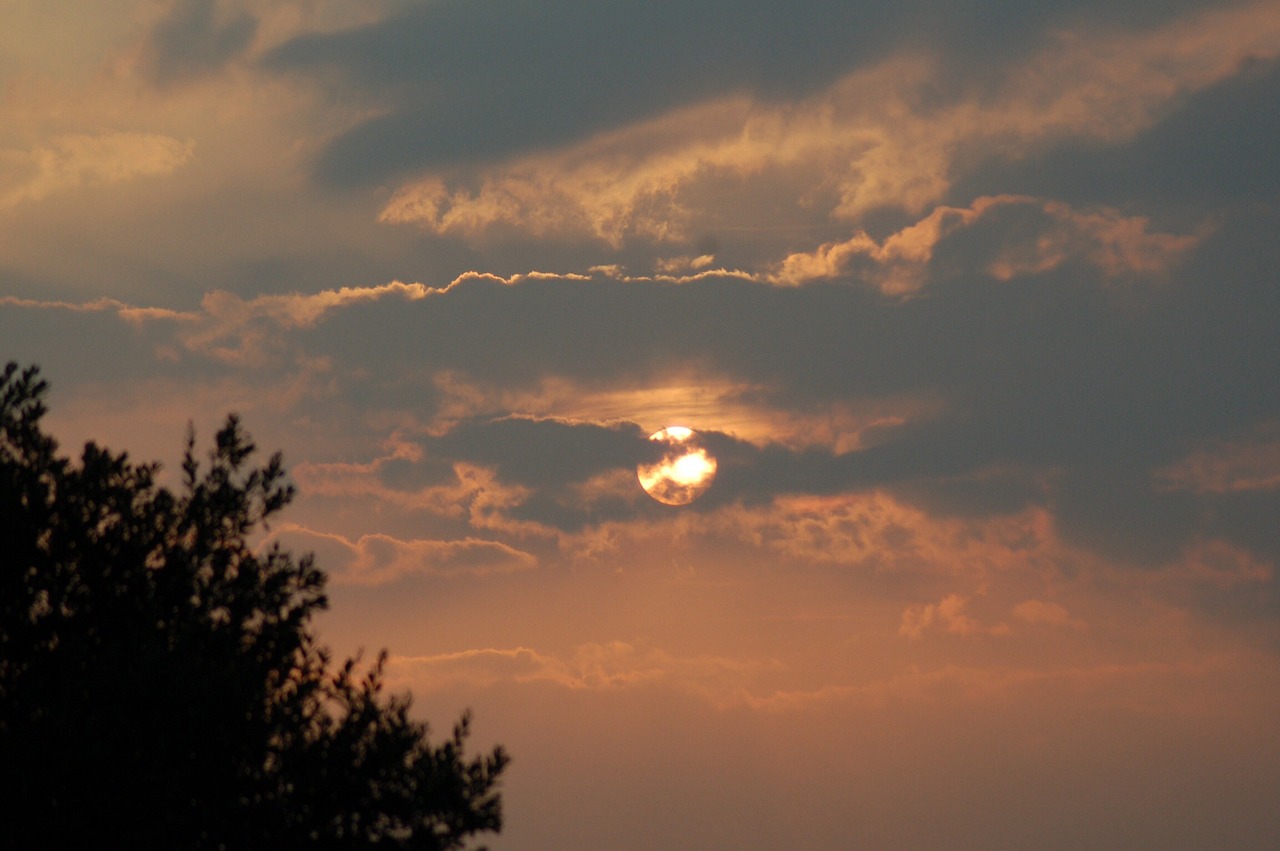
975 303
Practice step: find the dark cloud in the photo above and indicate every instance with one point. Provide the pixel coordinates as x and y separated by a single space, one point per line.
1056 367
481 80
1250 519
118 350
542 452
1123 515
194 40
550 458
1214 148
1063 387
465 81
982 493
1075 386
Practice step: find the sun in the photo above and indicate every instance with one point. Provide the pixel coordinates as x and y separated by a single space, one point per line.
685 470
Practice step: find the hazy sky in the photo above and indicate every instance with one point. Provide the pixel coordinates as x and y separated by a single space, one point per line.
976 302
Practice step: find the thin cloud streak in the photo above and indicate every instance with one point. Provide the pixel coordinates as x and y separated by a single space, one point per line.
377 559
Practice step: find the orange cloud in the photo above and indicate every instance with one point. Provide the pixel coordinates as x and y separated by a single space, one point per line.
948 615
475 493
875 531
592 666
900 260
1116 245
376 559
128 312
1196 686
244 331
716 404
1045 613
864 143
80 159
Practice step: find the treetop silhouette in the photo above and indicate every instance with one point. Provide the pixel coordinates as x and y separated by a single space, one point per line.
160 681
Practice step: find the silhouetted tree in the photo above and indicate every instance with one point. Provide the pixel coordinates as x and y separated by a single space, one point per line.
161 685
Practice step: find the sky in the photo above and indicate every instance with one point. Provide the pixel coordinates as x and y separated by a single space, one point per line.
975 304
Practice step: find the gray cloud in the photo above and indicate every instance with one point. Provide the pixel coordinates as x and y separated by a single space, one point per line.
1060 387
1047 368
1081 388
118 349
542 453
194 40
465 82
1215 148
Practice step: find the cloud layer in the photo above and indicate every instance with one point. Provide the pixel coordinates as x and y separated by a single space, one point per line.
973 302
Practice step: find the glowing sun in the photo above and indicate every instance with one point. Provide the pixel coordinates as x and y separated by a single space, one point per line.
685 470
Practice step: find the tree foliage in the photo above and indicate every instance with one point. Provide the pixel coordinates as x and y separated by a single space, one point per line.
160 682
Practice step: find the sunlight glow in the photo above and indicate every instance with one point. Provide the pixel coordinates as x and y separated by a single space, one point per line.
683 473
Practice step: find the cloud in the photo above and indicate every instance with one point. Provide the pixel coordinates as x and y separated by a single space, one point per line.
476 668
874 532
519 475
607 666
1251 463
946 409
1075 386
986 687
232 329
562 474
378 559
898 132
975 302
728 684
643 182
459 491
519 93
548 452
947 615
244 332
196 38
127 312
1222 565
521 90
1204 150
684 263
1045 613
69 161
1118 247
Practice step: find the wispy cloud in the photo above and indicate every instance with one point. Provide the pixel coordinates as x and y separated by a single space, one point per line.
1251 463
605 666
947 615
869 140
378 559
1047 613
70 161
1049 235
